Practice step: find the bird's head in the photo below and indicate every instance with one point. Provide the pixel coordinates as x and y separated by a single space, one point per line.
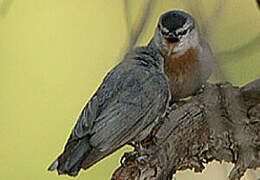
176 32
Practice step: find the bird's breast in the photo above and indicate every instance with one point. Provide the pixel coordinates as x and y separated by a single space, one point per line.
183 73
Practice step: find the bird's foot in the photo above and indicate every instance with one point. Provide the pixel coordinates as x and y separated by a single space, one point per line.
129 159
150 140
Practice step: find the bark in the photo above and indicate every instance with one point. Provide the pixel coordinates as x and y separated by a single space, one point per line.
221 123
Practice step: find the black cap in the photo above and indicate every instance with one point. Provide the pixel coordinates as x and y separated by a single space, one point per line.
173 20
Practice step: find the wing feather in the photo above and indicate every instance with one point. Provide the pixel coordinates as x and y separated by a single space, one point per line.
129 100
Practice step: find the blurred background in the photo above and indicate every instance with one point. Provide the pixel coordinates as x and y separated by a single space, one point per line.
54 55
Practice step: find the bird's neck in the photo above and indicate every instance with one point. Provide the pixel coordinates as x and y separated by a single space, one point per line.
152 45
179 63
185 63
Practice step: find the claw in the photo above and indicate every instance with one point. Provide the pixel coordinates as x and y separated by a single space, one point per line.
129 159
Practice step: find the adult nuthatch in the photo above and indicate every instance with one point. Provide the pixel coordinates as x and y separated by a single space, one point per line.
188 59
136 93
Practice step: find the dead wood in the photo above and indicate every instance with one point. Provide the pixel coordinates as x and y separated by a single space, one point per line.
222 123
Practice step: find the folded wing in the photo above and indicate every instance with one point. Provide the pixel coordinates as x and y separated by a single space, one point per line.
130 98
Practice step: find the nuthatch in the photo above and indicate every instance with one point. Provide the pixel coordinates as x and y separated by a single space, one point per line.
127 105
188 59
136 93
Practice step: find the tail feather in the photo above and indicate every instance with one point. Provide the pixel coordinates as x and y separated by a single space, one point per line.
70 161
54 165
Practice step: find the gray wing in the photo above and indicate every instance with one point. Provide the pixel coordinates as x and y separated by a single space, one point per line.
140 101
124 98
132 110
130 98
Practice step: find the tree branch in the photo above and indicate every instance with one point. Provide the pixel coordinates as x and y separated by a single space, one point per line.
258 3
222 123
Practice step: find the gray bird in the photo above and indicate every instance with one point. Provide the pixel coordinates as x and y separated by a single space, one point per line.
136 93
188 58
127 105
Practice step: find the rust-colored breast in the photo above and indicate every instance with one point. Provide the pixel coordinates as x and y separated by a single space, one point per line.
175 66
183 73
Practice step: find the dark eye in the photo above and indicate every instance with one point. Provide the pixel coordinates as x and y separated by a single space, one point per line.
183 32
164 32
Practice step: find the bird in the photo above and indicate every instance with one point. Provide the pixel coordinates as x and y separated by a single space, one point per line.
134 96
127 105
188 58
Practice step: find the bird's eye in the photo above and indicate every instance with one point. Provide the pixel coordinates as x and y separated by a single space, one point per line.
164 32
183 32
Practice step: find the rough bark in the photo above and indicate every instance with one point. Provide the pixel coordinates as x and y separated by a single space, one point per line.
221 123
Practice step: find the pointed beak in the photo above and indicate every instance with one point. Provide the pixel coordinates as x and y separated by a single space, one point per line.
170 48
171 45
172 40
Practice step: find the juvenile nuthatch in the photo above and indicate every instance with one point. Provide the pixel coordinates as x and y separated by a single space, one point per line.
188 59
127 105
136 93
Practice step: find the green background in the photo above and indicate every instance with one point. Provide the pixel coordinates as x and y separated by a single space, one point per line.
55 53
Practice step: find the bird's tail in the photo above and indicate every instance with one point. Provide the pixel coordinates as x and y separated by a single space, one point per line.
70 161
